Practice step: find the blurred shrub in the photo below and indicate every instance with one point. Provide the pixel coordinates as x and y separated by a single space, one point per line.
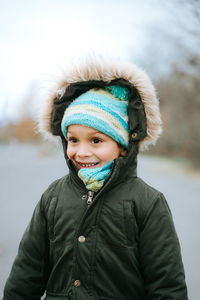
22 131
180 108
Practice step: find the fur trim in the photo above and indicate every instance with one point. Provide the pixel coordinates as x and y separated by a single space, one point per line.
97 68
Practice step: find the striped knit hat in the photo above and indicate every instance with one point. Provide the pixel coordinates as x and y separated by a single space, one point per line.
104 110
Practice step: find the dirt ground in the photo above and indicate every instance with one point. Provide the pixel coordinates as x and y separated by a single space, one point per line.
27 170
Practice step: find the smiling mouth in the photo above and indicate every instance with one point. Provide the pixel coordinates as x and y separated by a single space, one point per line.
86 165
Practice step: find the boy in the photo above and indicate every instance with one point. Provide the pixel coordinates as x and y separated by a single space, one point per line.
100 232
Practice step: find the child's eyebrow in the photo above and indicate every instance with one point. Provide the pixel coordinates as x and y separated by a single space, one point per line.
90 133
96 131
71 132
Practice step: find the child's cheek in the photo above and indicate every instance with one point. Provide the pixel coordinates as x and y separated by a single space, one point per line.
69 152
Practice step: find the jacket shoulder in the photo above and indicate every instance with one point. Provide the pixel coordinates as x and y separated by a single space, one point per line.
147 200
144 191
52 191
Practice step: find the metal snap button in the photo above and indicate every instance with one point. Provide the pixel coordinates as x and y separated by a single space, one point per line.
133 135
81 239
77 283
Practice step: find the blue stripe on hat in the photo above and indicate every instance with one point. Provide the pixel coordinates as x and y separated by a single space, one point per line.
104 108
121 106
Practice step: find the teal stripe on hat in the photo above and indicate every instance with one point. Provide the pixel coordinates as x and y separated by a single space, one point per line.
108 99
104 108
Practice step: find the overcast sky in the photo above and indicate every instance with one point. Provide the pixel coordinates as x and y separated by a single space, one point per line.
37 38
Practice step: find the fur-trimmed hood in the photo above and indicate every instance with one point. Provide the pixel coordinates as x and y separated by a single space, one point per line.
96 69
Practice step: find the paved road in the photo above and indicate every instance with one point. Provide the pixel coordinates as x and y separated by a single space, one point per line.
27 170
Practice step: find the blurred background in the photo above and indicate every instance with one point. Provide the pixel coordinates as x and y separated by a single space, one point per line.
37 40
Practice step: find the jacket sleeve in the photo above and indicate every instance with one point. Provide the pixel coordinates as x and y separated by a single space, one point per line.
160 258
28 277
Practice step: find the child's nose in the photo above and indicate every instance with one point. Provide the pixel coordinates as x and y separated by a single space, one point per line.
83 150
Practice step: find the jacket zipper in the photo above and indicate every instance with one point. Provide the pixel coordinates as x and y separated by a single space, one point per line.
90 197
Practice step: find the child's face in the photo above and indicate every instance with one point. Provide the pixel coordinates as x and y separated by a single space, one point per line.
90 148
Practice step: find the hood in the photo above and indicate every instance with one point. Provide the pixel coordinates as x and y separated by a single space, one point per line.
143 109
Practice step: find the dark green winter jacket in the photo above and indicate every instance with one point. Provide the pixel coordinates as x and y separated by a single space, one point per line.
121 246
117 244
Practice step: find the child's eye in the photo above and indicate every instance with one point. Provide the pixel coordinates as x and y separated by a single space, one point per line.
72 140
96 140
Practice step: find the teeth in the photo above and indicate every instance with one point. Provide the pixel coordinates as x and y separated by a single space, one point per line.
88 165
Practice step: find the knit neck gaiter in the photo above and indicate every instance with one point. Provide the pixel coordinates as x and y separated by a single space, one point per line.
95 178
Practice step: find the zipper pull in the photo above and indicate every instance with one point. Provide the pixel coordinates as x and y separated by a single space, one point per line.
90 197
